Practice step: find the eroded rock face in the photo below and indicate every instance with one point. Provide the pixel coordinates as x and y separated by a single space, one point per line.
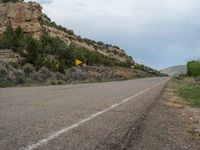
21 14
8 56
26 15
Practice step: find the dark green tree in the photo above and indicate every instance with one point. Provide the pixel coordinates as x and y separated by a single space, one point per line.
193 68
33 49
7 40
18 40
13 39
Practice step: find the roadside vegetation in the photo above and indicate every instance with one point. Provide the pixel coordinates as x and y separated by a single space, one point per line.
188 86
27 75
188 89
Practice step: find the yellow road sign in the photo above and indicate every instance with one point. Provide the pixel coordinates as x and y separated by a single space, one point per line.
78 62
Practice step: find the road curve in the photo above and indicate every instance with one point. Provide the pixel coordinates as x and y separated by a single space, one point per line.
85 116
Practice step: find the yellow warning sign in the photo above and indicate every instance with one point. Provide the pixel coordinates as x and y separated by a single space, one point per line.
78 62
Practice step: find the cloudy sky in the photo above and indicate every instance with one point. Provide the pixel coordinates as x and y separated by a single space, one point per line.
157 33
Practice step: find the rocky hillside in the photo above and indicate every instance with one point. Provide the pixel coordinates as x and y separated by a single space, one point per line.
35 50
32 20
175 70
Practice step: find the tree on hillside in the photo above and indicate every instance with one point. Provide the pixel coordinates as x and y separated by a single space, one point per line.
13 39
193 68
7 38
34 50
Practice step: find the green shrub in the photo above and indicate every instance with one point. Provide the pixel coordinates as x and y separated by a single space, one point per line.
3 73
28 69
60 82
53 83
45 74
193 68
191 94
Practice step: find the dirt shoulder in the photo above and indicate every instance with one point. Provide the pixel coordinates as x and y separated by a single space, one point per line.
170 125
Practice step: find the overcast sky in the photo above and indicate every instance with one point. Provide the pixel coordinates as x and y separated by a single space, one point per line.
157 33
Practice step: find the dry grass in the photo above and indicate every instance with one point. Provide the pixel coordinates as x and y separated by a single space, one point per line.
176 99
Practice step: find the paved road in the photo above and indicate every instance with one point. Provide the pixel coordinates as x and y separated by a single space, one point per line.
87 116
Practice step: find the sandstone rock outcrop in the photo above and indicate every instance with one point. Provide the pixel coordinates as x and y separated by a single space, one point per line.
8 56
21 14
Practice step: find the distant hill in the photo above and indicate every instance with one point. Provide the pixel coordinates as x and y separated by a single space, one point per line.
175 70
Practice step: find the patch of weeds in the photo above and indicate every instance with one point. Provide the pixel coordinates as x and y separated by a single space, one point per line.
188 89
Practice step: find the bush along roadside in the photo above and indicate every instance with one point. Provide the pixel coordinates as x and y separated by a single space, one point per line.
188 89
27 75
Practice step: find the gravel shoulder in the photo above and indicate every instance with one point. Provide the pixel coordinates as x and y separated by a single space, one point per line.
170 125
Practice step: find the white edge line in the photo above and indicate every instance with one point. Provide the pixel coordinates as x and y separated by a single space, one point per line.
64 130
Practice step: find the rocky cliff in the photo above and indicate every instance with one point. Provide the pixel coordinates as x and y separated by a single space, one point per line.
30 18
21 14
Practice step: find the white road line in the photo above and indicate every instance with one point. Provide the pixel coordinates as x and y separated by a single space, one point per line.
64 130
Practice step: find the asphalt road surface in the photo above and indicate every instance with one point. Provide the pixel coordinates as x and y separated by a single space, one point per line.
85 116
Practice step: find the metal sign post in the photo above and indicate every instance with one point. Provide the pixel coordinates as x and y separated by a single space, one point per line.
77 74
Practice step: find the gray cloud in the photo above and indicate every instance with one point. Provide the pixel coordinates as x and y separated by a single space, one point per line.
159 33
